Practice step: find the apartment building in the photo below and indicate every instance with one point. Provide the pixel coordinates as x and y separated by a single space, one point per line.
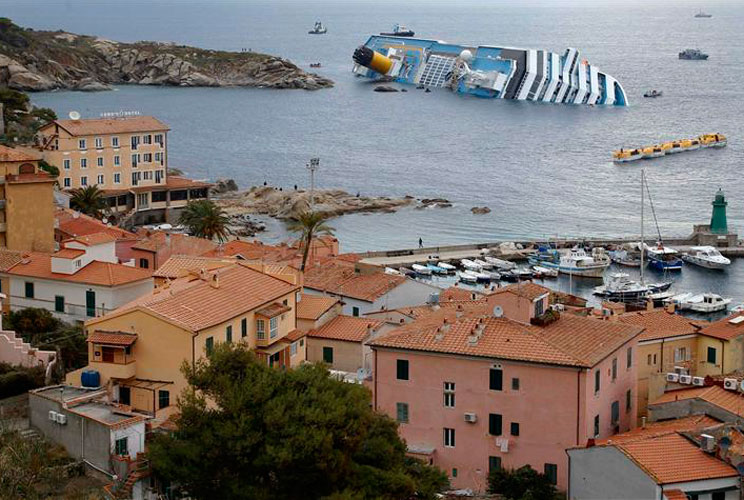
26 202
125 157
475 394
138 350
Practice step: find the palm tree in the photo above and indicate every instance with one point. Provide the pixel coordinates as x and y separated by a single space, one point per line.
309 224
88 200
206 220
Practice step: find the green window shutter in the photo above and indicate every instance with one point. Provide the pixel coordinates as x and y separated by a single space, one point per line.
402 412
59 303
402 369
494 424
29 290
496 379
243 327
712 355
209 344
228 333
328 355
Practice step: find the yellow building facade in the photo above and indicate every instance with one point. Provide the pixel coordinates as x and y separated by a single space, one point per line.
26 203
139 350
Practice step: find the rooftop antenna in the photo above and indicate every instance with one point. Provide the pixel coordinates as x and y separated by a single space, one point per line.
74 115
312 167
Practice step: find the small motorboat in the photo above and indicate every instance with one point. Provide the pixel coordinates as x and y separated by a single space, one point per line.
446 266
407 272
470 265
394 272
483 264
693 55
544 272
707 257
422 270
653 93
704 303
315 65
575 262
702 14
318 29
500 263
436 269
467 276
625 258
482 277
663 258
493 274
399 30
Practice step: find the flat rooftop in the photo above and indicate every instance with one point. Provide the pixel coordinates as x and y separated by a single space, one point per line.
64 393
101 412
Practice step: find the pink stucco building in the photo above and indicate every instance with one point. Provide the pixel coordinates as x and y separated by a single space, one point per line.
477 393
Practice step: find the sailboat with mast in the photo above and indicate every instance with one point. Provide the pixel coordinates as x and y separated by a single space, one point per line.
620 288
660 257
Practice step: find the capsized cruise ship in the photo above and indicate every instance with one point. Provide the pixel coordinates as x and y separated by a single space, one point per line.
487 71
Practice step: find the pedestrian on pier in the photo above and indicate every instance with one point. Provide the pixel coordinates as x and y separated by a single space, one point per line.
421 243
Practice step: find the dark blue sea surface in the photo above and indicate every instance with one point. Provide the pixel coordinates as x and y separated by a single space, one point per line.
543 169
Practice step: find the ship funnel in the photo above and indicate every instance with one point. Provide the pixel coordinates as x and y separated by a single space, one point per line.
364 56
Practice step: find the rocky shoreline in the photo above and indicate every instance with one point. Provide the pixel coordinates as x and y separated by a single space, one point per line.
46 60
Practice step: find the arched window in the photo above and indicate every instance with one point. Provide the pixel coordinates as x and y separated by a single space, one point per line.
26 168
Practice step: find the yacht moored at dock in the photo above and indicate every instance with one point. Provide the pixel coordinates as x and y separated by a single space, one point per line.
663 258
706 256
575 262
488 71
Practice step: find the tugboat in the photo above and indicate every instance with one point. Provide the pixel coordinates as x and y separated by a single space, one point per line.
653 93
399 30
693 55
703 14
318 29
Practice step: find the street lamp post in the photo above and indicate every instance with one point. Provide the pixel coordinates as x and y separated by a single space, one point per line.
312 167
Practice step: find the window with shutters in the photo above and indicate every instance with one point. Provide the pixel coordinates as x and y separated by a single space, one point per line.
496 379
163 399
628 400
243 327
494 424
328 355
228 333
401 369
629 358
401 412
514 428
614 369
712 355
494 463
615 412
209 344
551 472
260 329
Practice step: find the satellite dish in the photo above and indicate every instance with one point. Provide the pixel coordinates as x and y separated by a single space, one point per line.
74 115
498 312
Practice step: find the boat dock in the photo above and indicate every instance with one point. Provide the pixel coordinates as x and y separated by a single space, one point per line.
406 257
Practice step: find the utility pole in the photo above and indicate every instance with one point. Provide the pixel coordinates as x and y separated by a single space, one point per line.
312 167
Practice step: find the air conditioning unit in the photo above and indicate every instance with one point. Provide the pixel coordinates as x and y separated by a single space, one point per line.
471 418
672 377
53 416
730 384
685 379
700 381
61 418
707 443
680 370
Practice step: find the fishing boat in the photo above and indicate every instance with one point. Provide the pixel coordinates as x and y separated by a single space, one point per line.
693 55
545 272
702 14
399 30
653 93
467 276
701 303
470 265
706 256
446 266
663 258
318 29
624 257
624 155
488 71
620 288
500 263
575 262
422 270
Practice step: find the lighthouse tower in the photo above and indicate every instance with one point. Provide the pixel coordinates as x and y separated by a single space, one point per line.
718 223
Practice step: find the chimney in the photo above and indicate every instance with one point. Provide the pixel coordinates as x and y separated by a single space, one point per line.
643 422
650 305
167 239
670 308
215 281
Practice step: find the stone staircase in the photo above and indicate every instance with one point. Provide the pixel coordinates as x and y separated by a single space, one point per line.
14 351
137 470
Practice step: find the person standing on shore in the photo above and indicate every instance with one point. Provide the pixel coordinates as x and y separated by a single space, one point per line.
421 243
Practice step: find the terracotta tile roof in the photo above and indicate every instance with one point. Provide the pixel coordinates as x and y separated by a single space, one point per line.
273 310
528 290
15 154
172 182
180 265
68 253
348 328
659 324
340 278
675 495
724 329
181 244
112 338
72 224
9 258
29 178
571 340
39 265
689 423
730 401
94 239
451 309
313 307
672 458
458 293
294 336
102 126
254 250
196 304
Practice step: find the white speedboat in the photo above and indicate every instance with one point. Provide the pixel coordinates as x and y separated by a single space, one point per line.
467 276
395 272
575 262
436 269
500 263
447 267
422 270
545 272
705 303
706 256
620 288
483 264
493 274
470 265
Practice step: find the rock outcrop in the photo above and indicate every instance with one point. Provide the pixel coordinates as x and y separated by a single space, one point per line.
283 204
44 60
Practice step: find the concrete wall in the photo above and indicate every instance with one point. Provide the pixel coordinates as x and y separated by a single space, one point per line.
605 473
30 216
135 435
729 355
655 359
347 356
685 407
83 438
14 351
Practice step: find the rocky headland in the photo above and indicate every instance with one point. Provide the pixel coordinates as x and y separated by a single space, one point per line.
287 203
45 60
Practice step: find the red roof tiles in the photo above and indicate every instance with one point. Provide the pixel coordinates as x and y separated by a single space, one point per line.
340 278
313 307
347 328
724 329
14 154
273 310
72 224
39 265
659 324
92 126
112 338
